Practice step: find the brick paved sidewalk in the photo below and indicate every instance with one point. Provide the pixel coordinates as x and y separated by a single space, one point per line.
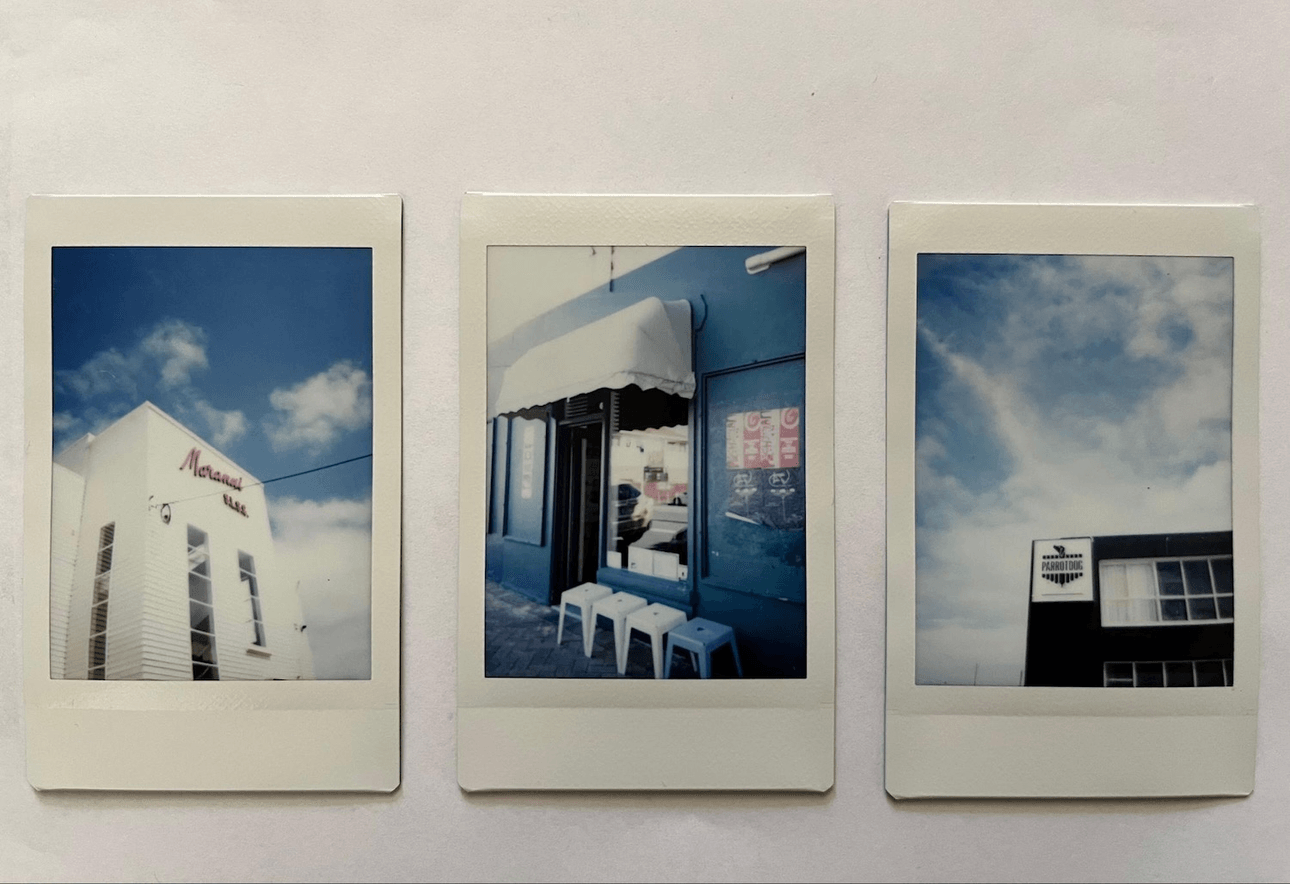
519 642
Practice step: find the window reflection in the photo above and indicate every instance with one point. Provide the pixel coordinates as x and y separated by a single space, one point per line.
649 485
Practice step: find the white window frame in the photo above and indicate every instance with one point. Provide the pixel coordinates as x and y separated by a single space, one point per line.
205 548
99 600
1119 682
1157 597
259 635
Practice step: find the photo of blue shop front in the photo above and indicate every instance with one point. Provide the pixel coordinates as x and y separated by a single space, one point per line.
647 438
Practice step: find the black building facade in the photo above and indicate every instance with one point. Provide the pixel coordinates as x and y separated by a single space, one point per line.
1149 610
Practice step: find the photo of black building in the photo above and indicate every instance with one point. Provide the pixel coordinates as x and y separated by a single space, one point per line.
1147 610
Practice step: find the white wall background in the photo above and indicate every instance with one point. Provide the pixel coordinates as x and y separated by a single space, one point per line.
1163 102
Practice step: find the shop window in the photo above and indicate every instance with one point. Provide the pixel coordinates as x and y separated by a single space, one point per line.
201 610
251 586
1166 591
1168 674
99 603
649 484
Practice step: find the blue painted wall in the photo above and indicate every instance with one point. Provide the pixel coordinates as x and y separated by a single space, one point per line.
749 340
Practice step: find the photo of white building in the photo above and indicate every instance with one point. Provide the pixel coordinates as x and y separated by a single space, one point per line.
163 562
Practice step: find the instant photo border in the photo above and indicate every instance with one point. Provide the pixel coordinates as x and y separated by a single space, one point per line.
552 733
986 741
226 736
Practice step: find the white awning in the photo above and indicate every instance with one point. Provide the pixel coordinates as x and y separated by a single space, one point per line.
646 344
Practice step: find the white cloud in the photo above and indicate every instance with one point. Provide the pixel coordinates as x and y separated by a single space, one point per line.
169 353
312 414
178 349
1158 461
327 546
226 427
106 372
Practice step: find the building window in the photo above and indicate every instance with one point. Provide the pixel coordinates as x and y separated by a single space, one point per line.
1168 674
99 603
1165 591
201 610
246 567
649 483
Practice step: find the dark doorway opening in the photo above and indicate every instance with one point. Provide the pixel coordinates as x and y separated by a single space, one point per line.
578 506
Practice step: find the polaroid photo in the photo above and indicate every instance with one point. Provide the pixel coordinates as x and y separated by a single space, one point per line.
1073 534
213 493
646 493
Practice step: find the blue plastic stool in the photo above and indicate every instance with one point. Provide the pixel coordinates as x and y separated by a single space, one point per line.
701 637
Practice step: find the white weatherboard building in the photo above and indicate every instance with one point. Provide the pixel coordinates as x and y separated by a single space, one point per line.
162 562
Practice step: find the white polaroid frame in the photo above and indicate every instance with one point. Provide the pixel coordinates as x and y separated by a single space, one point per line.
243 736
966 741
536 733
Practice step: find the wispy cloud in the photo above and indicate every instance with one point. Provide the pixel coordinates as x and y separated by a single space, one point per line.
225 427
327 547
1096 397
312 414
167 354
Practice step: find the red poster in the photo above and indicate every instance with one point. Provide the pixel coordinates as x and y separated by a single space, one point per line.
790 434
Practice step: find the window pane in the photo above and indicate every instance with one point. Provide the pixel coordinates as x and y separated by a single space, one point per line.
1209 673
255 609
1222 574
201 617
245 562
199 563
1228 671
1201 608
1113 582
1170 574
1144 611
649 479
1118 672
98 649
104 562
1141 580
107 534
98 618
1173 609
1225 607
202 672
1149 675
199 588
196 537
259 633
1197 577
1114 611
96 674
101 588
1179 675
203 647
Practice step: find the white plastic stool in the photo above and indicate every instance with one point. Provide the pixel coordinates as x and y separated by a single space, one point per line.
616 607
582 598
655 621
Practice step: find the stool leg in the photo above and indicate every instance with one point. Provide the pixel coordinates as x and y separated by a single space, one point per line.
559 632
735 650
667 664
656 649
705 664
620 643
588 628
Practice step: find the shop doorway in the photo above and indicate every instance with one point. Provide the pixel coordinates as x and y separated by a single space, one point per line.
578 520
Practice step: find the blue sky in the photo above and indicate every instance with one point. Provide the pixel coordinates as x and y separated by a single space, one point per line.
264 352
1057 396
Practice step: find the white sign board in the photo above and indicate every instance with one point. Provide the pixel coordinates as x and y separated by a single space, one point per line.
1061 570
